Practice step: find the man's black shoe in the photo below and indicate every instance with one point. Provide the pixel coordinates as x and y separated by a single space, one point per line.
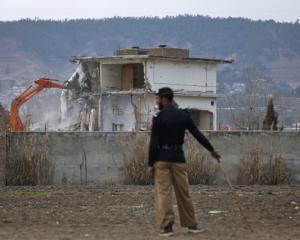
195 229
167 231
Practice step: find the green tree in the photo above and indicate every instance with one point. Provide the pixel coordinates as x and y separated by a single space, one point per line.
271 119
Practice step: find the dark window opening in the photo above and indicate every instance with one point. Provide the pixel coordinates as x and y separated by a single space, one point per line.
195 114
117 127
132 76
138 76
202 118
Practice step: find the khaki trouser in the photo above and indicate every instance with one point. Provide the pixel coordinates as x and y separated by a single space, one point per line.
166 175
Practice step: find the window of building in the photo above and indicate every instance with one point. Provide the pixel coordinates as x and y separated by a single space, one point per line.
117 111
195 114
132 76
122 76
202 118
117 127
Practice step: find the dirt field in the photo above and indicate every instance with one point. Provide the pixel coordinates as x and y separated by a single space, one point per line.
126 212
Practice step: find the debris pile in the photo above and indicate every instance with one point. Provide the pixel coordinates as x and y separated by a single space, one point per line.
77 101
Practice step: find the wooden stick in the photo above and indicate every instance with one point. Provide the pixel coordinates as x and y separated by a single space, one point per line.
236 196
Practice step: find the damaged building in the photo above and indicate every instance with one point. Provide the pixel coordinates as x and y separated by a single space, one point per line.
117 93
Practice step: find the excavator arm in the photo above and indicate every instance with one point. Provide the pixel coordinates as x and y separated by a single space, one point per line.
16 124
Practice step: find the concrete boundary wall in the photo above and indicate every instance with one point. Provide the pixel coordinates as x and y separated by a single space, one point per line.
98 158
2 155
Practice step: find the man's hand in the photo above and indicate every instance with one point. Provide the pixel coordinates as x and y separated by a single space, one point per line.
151 171
216 155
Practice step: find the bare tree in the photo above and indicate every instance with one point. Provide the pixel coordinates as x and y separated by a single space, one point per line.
249 113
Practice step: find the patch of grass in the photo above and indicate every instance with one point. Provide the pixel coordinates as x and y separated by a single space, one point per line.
24 194
200 169
27 160
62 192
136 160
255 168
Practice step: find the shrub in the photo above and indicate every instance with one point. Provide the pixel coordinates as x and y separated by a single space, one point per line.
27 161
136 160
255 169
200 169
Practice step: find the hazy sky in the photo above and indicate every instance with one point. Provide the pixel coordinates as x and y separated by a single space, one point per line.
279 10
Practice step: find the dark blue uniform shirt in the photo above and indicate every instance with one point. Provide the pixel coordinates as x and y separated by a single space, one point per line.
168 129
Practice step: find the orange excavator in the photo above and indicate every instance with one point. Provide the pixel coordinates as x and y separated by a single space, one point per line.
16 124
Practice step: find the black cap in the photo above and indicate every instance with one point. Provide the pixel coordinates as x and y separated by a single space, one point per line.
165 92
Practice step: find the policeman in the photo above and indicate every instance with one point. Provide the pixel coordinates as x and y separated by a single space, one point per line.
167 162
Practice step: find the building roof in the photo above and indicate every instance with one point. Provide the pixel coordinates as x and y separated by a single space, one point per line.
137 54
78 59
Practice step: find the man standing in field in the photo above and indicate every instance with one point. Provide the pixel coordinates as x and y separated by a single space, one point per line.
167 163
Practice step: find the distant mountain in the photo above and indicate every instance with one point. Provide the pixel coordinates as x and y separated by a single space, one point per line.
265 50
29 48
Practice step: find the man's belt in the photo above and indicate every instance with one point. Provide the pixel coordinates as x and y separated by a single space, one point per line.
174 147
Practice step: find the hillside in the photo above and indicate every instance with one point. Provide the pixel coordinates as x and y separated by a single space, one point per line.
30 47
261 49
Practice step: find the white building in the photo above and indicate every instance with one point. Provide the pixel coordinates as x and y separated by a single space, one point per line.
117 93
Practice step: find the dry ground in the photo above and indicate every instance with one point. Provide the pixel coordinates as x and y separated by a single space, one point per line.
126 212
